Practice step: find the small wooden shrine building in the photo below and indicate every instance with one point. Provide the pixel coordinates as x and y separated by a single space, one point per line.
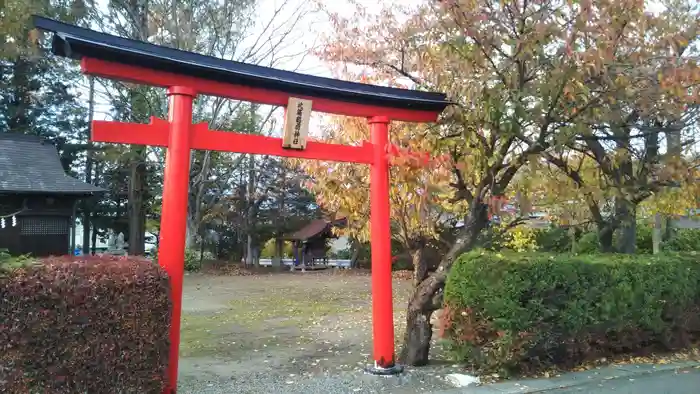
37 197
310 242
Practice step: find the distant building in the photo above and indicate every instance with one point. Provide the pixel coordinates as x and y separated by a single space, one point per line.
311 243
37 198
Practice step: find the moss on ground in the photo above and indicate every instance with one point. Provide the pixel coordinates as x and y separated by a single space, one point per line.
289 311
249 324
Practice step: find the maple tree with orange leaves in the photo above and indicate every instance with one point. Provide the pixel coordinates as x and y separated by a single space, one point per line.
420 206
528 79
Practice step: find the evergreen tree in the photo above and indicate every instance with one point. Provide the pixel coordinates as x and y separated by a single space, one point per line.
36 95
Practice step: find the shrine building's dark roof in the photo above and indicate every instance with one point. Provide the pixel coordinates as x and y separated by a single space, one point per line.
76 42
28 165
315 228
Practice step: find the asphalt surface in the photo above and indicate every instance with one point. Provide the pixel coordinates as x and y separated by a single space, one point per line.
680 378
670 382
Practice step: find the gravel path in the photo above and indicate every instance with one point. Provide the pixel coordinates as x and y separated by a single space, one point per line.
354 381
289 333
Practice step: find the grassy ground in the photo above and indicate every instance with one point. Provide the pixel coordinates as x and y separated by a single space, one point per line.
284 328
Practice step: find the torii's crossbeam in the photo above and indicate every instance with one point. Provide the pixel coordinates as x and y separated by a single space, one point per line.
156 134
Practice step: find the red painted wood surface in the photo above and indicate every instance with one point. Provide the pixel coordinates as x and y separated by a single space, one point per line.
158 78
380 240
156 134
173 222
206 139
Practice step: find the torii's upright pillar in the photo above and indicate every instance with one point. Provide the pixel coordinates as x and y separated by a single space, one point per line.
380 229
171 250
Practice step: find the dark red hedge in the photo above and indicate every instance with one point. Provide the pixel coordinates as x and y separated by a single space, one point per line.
84 325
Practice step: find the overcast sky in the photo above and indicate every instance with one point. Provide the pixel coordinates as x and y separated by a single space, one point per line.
304 37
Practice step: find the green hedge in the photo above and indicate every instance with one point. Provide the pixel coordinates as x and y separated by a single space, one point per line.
557 240
94 325
192 263
683 240
519 312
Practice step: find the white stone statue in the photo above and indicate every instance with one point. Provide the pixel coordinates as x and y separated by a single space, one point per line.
120 241
115 245
111 242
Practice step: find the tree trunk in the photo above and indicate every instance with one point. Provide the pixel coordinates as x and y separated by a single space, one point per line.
656 234
605 237
86 229
139 111
354 258
98 171
626 213
198 188
296 252
281 225
250 211
668 228
279 250
673 143
571 232
417 339
420 266
427 296
419 334
18 114
249 257
88 170
190 232
94 240
137 214
201 253
606 228
73 218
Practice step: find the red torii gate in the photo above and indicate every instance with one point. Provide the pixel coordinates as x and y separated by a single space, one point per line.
185 75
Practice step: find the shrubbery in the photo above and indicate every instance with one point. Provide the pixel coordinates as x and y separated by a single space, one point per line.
192 261
587 243
269 250
644 238
555 240
342 254
523 239
558 240
683 240
97 325
519 312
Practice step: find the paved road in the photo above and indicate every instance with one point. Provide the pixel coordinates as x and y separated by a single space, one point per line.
685 381
681 378
642 379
